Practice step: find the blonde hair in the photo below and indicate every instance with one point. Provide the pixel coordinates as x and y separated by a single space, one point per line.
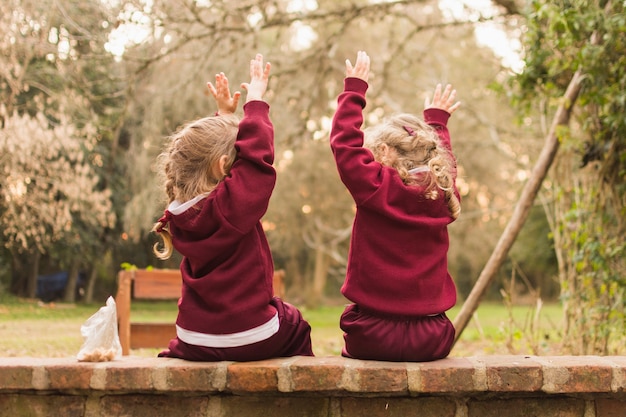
404 142
190 165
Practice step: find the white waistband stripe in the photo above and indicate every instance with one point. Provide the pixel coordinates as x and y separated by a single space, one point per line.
247 337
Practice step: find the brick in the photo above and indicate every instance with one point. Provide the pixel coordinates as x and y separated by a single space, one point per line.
398 407
261 376
270 406
572 374
184 376
377 377
70 375
310 374
151 405
26 373
619 373
513 374
16 377
127 375
446 375
527 407
606 407
42 405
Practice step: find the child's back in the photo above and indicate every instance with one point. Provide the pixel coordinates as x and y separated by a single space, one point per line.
402 182
219 178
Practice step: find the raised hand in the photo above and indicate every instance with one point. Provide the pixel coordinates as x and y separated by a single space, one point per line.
444 100
361 68
259 76
226 104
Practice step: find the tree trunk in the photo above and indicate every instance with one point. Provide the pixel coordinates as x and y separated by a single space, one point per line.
319 276
18 282
91 283
33 273
320 270
293 275
70 287
522 209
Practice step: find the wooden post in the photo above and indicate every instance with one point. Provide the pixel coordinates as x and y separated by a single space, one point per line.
122 301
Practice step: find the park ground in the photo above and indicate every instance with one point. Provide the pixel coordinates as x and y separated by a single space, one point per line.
33 328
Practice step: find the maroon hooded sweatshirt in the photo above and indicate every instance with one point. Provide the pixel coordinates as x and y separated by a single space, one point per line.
397 263
227 266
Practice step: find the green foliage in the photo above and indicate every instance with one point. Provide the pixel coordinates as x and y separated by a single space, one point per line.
128 266
593 284
589 187
569 35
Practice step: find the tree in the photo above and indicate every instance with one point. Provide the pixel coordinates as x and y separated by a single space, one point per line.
588 189
58 62
309 220
61 106
48 187
307 47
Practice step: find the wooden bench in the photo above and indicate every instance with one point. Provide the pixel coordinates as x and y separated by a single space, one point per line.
155 284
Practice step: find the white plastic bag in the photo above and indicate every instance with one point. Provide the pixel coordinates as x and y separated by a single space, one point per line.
102 342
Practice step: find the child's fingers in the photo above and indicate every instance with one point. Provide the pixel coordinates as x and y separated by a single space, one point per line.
235 99
362 61
363 57
212 89
451 96
437 94
448 95
349 67
254 65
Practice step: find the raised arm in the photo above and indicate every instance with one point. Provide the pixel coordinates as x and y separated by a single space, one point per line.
355 164
248 188
438 111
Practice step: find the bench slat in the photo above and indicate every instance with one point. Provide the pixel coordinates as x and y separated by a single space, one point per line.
155 284
162 284
151 335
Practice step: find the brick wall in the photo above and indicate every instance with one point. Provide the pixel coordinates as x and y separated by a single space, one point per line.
511 386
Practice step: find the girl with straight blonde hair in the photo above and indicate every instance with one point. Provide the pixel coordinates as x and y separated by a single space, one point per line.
218 179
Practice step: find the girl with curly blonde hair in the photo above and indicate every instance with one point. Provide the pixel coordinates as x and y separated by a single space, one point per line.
401 174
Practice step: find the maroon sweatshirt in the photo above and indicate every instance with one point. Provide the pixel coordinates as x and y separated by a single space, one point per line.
397 263
227 266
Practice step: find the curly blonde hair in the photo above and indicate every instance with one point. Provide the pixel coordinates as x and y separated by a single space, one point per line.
189 165
405 142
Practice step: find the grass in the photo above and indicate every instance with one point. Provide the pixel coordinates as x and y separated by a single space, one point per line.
32 328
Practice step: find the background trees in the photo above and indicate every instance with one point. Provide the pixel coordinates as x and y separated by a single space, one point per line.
60 105
415 44
106 106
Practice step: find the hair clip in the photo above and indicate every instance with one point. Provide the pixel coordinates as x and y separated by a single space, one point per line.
410 131
418 169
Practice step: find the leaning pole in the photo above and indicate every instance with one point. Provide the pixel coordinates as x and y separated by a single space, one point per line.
523 206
